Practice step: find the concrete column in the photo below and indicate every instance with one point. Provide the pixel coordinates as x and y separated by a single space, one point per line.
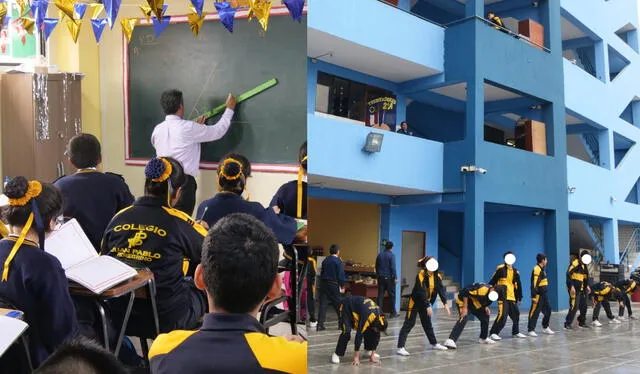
474 8
405 5
606 149
312 82
602 61
556 238
610 241
401 110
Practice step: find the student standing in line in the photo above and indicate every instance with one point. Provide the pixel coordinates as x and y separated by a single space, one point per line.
89 196
578 287
427 288
239 271
232 183
331 284
475 299
151 233
626 288
363 315
539 297
387 276
507 275
180 139
601 292
33 280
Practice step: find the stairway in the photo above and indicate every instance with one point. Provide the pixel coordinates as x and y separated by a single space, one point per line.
452 289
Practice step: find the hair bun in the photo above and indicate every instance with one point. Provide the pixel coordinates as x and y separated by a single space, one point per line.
154 169
16 188
232 169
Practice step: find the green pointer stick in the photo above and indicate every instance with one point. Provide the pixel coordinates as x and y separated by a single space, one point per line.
251 93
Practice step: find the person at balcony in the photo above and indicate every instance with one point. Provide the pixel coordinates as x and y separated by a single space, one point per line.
578 287
539 297
404 128
507 275
627 287
387 277
363 315
89 196
497 22
475 299
331 284
601 293
180 139
427 287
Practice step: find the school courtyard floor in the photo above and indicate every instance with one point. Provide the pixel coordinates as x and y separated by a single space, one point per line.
606 349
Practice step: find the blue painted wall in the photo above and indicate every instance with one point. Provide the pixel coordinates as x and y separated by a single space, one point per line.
435 123
450 231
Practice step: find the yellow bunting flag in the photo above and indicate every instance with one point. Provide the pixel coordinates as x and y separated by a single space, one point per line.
23 7
128 24
3 13
240 3
28 24
146 10
74 28
260 9
66 7
96 10
156 7
195 22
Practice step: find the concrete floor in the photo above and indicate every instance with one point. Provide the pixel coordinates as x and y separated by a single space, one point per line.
607 349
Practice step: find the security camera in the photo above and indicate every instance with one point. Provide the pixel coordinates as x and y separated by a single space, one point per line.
482 171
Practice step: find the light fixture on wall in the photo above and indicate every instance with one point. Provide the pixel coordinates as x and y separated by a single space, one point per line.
571 189
373 143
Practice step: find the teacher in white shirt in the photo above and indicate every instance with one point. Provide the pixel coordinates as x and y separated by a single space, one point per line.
181 139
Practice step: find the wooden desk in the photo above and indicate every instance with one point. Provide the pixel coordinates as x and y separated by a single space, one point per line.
133 287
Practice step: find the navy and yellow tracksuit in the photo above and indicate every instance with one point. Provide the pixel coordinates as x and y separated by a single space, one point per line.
578 277
425 291
477 296
226 343
93 198
508 276
539 285
38 286
358 313
169 243
602 292
626 288
222 204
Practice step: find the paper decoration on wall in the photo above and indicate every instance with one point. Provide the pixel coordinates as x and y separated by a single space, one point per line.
198 5
112 7
41 101
226 13
49 25
195 22
128 24
295 8
28 24
156 7
39 11
261 10
74 28
3 15
23 8
147 11
159 25
65 7
80 9
96 9
98 27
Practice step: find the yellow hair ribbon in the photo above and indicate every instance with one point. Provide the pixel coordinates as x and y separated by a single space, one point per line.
227 162
16 247
34 190
167 172
299 194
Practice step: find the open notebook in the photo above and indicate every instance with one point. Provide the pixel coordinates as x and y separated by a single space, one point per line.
80 261
11 329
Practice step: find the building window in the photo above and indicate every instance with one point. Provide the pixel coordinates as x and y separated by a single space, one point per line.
356 101
16 45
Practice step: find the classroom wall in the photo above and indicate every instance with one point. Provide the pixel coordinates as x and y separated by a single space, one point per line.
103 103
354 226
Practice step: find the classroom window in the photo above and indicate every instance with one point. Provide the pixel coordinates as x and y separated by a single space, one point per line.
16 44
345 98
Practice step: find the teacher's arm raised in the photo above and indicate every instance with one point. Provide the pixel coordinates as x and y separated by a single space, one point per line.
199 133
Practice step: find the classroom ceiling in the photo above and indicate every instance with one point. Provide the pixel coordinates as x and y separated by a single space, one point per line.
571 31
360 186
360 58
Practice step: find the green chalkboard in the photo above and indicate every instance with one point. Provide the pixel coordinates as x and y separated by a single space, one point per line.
268 128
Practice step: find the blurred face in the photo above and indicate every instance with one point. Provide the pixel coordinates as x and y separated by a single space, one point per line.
544 262
404 126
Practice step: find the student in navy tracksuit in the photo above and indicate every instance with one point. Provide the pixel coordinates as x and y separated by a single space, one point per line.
89 196
331 284
32 280
232 181
387 276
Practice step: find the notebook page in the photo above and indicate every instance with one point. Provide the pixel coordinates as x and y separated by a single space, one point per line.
100 273
11 329
70 245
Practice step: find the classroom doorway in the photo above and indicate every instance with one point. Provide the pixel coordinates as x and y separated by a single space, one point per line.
413 249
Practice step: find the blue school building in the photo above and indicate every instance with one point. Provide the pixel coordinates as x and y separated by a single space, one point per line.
523 137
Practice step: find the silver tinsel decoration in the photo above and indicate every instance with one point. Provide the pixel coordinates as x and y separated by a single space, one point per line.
41 98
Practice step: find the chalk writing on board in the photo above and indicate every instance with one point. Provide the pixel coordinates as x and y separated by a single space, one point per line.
148 39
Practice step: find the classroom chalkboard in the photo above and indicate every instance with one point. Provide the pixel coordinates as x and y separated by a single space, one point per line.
268 128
